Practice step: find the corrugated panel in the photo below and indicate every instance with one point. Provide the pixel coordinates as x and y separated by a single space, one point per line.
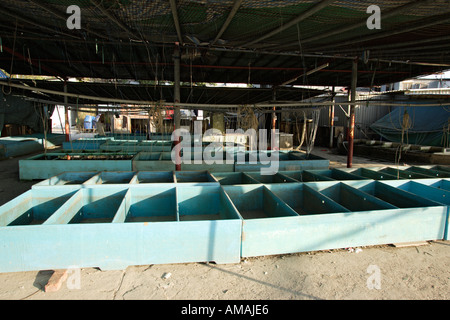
365 116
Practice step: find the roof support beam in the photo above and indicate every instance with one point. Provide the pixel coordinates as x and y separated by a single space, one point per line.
389 14
116 21
34 23
234 10
173 6
56 13
321 5
308 73
397 45
197 105
16 54
429 22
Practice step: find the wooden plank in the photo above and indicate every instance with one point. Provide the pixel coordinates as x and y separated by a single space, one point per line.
410 244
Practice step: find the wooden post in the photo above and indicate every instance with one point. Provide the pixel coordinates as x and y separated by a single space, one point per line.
351 136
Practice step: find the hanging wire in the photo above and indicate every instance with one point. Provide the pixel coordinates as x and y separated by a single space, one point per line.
12 62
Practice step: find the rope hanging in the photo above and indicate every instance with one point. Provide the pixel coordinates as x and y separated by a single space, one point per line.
247 118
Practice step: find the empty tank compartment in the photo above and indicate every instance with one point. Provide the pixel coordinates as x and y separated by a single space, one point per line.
33 207
256 202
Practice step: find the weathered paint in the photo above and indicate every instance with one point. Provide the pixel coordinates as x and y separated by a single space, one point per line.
400 172
270 179
161 217
149 177
66 179
38 168
327 175
234 178
113 229
195 177
86 144
111 178
431 173
377 222
428 189
340 230
289 165
137 146
152 161
370 173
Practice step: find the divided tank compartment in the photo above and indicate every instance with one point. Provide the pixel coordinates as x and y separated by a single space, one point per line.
395 196
192 204
296 175
89 206
424 189
432 173
272 178
111 178
351 198
234 178
67 179
153 161
328 175
272 161
404 174
33 207
149 205
305 200
194 177
257 202
440 184
213 159
43 167
149 177
369 173
429 189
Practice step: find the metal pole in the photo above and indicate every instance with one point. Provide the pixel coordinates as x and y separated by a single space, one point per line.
332 119
274 120
177 97
351 135
66 109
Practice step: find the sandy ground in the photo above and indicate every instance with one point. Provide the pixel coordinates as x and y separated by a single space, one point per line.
366 273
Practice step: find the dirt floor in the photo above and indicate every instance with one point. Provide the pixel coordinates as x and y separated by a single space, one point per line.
365 273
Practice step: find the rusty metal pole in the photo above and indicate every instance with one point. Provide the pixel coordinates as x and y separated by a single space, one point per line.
66 113
274 120
332 118
351 136
177 98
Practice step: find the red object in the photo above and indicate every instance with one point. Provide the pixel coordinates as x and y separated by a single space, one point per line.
169 114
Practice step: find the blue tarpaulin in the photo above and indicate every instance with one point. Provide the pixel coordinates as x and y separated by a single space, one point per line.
427 126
